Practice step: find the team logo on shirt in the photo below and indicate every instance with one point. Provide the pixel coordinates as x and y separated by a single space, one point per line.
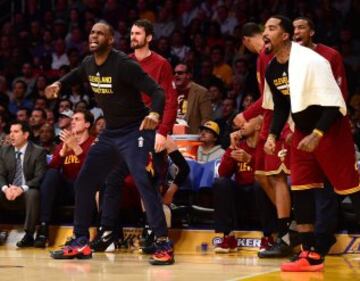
101 84
282 84
71 159
244 167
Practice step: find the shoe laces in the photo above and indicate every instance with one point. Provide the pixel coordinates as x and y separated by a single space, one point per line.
163 246
72 241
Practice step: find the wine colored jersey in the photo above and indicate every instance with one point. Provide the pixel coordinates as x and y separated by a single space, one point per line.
244 172
256 108
160 70
337 66
70 164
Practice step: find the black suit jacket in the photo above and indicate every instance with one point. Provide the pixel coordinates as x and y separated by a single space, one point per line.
34 165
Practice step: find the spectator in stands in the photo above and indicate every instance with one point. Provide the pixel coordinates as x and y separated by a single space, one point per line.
18 98
144 11
206 76
194 104
98 126
226 122
178 47
221 69
216 96
59 56
28 77
164 25
74 40
64 105
22 166
36 121
45 48
47 138
164 49
50 117
40 86
229 194
4 92
209 150
247 101
41 102
74 57
81 105
3 123
65 164
23 114
77 94
227 22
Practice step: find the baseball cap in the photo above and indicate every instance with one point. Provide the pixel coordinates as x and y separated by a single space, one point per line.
212 126
67 113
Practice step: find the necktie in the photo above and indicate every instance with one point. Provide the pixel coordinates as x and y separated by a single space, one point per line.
18 170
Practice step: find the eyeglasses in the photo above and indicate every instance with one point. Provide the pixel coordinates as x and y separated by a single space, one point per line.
179 72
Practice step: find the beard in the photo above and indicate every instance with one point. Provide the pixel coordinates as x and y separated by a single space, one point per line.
137 44
101 48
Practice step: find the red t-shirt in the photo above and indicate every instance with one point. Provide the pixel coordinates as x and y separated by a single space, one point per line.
337 66
70 163
160 70
256 108
244 172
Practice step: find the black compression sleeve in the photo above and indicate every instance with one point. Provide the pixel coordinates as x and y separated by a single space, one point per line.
281 114
329 115
182 165
71 78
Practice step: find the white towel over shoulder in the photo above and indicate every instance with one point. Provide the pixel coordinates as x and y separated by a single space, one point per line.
311 82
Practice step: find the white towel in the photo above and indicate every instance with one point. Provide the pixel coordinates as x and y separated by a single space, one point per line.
311 82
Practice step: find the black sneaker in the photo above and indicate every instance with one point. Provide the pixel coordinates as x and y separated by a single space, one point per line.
103 239
147 242
41 239
26 241
278 250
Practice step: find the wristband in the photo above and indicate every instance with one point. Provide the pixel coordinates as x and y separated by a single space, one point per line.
318 133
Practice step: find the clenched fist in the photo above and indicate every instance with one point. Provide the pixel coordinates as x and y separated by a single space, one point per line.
150 121
52 91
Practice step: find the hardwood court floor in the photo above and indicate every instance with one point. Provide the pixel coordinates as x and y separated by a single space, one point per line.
36 265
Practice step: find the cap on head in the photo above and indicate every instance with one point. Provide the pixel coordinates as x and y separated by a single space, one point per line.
67 113
212 126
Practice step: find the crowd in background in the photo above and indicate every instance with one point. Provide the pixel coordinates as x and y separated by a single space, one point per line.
41 41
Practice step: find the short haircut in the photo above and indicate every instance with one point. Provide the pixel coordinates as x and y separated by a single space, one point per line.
25 127
22 82
146 25
88 116
43 112
308 20
285 24
250 29
27 111
111 29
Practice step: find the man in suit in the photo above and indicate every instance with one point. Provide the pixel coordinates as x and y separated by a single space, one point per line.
194 103
22 166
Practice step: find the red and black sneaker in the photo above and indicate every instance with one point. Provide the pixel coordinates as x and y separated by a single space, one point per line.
229 244
74 248
308 261
266 243
164 254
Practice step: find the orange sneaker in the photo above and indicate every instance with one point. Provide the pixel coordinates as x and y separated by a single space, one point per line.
306 261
